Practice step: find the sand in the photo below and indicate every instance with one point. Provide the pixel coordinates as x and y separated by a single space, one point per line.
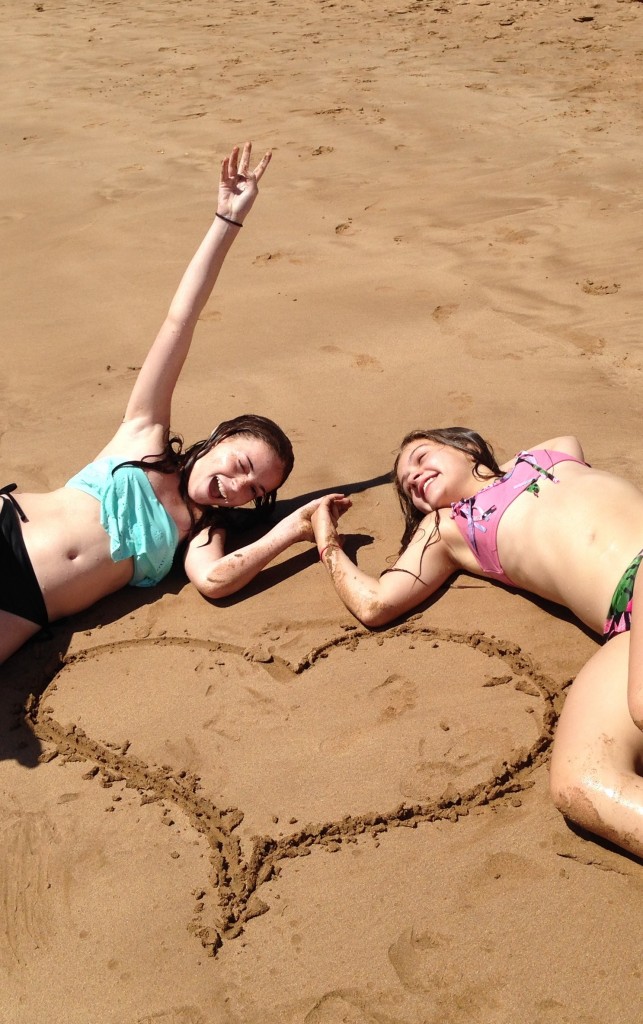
257 812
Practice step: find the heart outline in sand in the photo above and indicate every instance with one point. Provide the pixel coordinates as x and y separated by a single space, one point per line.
236 877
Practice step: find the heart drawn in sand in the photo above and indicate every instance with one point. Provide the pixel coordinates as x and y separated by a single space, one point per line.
268 760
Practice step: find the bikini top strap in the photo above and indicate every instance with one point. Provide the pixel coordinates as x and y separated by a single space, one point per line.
5 492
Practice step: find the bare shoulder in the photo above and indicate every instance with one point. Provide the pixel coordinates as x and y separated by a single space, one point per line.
566 443
429 551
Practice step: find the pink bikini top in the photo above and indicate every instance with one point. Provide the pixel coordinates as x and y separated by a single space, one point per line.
478 517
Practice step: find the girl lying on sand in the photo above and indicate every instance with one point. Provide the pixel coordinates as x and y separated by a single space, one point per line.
544 522
121 519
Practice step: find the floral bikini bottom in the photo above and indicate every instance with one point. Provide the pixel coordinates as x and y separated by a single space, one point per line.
619 616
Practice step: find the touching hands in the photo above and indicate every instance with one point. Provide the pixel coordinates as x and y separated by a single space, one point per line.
326 515
238 185
300 522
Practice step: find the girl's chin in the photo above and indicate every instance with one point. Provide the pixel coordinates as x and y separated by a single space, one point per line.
205 500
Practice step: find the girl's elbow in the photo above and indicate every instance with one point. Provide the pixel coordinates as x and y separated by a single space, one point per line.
374 613
214 590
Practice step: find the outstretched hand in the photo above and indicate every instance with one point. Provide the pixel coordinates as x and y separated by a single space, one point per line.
238 185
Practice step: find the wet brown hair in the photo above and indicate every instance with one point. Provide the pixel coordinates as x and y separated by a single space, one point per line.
465 440
174 459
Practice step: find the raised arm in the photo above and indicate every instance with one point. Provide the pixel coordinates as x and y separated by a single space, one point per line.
417 574
151 398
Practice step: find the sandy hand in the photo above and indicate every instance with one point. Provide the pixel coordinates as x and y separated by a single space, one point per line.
325 517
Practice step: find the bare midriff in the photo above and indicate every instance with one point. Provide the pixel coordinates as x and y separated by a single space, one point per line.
70 550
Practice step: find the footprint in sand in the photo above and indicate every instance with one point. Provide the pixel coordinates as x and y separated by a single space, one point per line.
423 966
268 257
441 313
410 956
349 1008
460 400
599 288
361 360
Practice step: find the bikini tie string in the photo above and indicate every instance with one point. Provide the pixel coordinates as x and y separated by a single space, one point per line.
5 492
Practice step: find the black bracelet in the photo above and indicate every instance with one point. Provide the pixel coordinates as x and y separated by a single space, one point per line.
228 220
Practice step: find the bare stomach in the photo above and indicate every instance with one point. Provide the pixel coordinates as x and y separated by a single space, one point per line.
70 550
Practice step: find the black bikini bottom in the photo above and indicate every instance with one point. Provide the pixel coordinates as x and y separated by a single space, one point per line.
20 591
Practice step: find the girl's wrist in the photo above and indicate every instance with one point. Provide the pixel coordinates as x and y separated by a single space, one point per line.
323 548
229 219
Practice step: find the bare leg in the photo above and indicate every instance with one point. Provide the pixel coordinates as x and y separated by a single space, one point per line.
635 671
14 632
598 752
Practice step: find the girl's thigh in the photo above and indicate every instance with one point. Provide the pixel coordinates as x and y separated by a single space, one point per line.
14 632
596 732
635 668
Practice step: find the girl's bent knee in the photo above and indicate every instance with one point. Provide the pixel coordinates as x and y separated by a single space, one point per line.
584 804
562 791
572 796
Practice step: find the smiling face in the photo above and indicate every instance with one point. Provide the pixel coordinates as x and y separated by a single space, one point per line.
433 475
234 472
437 467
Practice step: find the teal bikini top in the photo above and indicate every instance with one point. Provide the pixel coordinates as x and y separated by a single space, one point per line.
135 520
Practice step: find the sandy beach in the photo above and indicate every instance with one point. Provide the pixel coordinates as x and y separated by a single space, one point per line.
256 811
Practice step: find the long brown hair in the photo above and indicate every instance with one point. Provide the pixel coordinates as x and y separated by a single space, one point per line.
174 459
465 440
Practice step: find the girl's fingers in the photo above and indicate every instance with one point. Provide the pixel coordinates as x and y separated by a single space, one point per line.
244 163
235 166
232 161
261 166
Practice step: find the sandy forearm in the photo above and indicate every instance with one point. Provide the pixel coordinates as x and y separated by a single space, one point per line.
359 591
229 574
